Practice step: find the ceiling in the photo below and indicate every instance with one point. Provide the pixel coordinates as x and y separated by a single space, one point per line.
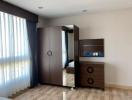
58 8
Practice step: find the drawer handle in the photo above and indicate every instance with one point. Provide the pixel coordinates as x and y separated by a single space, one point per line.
90 70
90 81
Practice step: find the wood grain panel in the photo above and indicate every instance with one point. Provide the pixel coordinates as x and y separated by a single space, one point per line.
58 93
92 74
56 58
43 58
90 46
92 69
76 54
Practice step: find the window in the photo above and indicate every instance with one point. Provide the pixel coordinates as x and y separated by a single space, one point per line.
14 54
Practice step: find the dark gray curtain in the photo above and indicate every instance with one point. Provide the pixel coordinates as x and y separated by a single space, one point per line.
66 41
32 35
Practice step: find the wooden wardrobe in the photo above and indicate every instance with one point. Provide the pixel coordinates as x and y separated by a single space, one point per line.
50 55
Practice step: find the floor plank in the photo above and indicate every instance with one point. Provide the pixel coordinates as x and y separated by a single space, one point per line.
46 92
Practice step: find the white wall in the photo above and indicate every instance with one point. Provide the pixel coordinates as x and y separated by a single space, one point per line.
116 28
42 22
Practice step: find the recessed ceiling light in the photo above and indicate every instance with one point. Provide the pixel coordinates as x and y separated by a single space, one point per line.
84 10
40 7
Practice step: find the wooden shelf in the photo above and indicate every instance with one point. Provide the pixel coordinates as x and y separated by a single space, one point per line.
92 48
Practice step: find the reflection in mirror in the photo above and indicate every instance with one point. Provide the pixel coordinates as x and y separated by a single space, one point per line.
68 56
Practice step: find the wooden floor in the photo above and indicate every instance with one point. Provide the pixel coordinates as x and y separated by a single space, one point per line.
58 93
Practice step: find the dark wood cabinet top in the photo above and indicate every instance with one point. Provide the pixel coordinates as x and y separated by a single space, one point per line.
89 62
92 42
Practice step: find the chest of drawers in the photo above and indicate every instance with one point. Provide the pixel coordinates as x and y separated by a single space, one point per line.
91 74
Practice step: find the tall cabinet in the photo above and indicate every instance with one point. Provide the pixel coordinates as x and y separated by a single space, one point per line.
49 55
51 70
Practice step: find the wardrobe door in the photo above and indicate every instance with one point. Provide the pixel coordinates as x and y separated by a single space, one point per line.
56 58
43 57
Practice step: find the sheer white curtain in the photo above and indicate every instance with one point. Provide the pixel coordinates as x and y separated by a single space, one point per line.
14 55
63 49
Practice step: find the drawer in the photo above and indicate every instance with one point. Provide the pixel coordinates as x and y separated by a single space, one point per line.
91 82
94 76
91 75
94 69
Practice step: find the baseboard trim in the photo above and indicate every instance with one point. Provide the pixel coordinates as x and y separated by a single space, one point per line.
118 86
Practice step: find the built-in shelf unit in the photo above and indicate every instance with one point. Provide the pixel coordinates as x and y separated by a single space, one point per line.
92 48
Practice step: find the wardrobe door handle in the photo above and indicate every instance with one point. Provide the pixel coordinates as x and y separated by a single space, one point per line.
49 53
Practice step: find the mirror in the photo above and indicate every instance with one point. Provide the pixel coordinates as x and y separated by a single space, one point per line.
68 56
